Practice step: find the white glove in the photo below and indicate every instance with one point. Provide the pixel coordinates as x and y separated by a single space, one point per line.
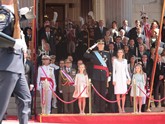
38 87
92 47
60 91
109 79
20 43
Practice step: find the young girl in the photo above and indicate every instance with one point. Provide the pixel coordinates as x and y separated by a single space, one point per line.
139 78
81 81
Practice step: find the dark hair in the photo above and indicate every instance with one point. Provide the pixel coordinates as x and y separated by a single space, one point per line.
123 53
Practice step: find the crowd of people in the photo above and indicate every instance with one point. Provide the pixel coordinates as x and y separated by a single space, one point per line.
111 56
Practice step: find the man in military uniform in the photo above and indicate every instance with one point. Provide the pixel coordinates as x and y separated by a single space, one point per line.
12 77
46 84
101 62
66 82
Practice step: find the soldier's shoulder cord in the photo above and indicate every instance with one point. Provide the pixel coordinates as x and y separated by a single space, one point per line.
63 77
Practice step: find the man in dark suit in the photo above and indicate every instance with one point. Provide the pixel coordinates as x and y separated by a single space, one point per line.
60 105
163 30
132 47
12 77
111 50
159 81
29 74
118 43
147 68
101 61
28 36
125 27
49 36
100 31
132 34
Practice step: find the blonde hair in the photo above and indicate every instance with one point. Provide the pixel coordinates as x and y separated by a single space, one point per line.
138 65
85 73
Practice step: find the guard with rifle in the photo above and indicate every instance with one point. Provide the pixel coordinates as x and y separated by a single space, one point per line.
12 75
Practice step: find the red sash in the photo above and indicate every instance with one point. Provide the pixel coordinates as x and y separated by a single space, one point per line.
99 67
43 90
48 79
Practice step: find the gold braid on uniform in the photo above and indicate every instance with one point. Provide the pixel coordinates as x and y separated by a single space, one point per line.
64 78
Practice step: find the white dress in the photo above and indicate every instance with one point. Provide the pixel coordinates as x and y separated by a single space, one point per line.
120 76
81 81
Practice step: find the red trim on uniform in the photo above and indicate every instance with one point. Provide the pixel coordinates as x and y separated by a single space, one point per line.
100 67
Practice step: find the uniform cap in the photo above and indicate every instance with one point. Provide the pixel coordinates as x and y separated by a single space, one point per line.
52 56
45 57
144 16
100 41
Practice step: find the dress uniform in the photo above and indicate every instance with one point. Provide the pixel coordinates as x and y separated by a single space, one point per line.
45 84
66 81
100 74
12 77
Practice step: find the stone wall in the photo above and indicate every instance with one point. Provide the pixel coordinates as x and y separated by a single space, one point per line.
72 8
153 8
130 9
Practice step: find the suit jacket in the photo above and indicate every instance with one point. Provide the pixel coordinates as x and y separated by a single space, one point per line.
132 50
99 75
132 34
111 54
126 30
29 72
98 34
148 68
160 70
27 39
51 41
63 80
163 33
116 47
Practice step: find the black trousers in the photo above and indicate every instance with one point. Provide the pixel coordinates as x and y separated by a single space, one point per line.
159 86
99 103
16 83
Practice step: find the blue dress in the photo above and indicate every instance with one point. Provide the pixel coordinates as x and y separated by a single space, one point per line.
140 82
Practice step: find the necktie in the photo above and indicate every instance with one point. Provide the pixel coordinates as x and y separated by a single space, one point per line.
144 65
101 28
48 35
118 46
159 66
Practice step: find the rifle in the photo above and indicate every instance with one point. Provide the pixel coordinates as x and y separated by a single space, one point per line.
17 29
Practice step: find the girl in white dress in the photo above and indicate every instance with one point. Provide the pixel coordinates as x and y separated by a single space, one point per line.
121 78
140 78
81 81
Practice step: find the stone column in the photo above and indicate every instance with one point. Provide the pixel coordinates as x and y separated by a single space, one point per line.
118 10
99 9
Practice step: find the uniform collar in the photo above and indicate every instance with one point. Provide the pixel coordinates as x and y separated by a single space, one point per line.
10 7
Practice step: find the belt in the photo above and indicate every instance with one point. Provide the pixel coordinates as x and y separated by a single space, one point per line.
48 79
100 67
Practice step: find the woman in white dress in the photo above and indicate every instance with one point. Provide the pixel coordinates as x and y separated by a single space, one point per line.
121 78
